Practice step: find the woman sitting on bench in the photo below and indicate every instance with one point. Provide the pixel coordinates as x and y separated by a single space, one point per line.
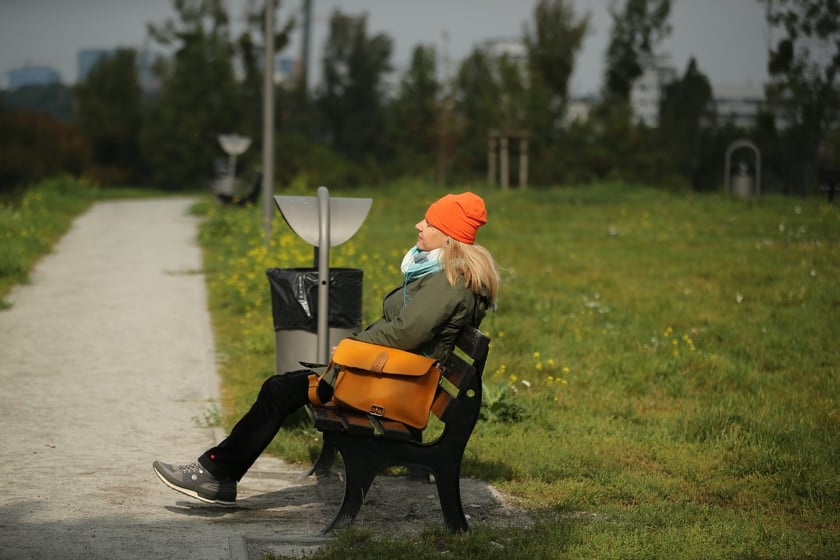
450 282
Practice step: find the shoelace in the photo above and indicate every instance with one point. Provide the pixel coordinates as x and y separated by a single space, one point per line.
192 468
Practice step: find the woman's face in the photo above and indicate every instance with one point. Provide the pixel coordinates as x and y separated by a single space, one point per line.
429 237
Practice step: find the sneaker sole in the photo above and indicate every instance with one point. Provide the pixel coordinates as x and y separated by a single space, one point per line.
191 493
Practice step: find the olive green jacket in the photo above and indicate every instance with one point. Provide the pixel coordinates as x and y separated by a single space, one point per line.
425 316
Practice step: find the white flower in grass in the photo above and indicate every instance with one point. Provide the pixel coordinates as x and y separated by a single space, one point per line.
739 297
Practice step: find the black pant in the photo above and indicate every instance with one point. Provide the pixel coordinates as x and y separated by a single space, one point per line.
280 396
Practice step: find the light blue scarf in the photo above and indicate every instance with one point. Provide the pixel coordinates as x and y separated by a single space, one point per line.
417 264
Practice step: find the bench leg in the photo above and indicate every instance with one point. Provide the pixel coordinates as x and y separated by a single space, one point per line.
359 473
448 483
321 466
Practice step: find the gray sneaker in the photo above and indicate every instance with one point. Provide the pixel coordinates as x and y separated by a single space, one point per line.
194 480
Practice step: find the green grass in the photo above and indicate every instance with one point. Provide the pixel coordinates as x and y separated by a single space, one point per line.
662 381
32 224
32 220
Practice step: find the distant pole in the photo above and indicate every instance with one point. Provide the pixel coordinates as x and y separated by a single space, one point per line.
503 163
304 51
492 149
445 115
268 122
523 161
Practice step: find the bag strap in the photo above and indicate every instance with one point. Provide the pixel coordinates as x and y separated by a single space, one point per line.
314 381
328 376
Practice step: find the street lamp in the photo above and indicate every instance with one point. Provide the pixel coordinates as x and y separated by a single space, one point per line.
233 145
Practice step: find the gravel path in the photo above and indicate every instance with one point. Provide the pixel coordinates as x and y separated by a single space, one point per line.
106 362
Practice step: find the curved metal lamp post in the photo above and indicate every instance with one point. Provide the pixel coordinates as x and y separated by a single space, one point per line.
233 145
323 222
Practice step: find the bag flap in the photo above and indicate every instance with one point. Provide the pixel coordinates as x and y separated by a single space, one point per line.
380 359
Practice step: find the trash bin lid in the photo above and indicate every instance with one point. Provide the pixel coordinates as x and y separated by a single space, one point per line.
346 217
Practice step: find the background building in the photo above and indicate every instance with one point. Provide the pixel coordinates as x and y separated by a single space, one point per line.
646 95
31 76
739 104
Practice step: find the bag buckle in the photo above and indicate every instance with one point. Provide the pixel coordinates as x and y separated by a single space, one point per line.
377 410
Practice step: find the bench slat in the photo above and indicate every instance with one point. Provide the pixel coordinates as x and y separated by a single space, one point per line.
394 430
358 425
460 374
441 404
326 418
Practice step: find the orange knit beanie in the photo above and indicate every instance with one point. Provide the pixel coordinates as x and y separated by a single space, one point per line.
458 215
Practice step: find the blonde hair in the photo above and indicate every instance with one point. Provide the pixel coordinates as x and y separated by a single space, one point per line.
474 264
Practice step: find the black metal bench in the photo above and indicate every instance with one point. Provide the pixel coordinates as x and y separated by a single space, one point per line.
829 180
368 444
245 198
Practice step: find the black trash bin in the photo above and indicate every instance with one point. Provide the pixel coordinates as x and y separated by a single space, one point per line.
294 308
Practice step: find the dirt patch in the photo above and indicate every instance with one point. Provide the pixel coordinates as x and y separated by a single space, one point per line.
276 492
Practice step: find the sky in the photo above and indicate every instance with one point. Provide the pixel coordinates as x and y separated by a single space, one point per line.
728 38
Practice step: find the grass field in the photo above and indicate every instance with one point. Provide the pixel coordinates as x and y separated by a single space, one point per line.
663 378
30 226
34 219
662 382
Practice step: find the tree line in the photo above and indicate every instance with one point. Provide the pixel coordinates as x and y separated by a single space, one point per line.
362 124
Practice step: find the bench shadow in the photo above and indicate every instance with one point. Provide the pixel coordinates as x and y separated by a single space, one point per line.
395 502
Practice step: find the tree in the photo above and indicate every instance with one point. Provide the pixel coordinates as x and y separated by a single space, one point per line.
553 46
415 114
636 30
109 114
199 97
477 101
55 100
35 146
250 51
686 113
803 67
554 43
352 95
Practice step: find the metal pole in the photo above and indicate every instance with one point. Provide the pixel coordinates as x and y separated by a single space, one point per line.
307 30
323 275
232 174
268 123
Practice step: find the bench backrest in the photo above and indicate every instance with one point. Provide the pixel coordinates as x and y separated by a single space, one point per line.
460 374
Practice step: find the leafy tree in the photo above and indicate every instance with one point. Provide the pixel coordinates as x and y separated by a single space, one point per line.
513 88
199 97
636 30
553 46
109 114
55 100
415 115
35 146
686 114
554 43
803 67
250 52
352 95
477 100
